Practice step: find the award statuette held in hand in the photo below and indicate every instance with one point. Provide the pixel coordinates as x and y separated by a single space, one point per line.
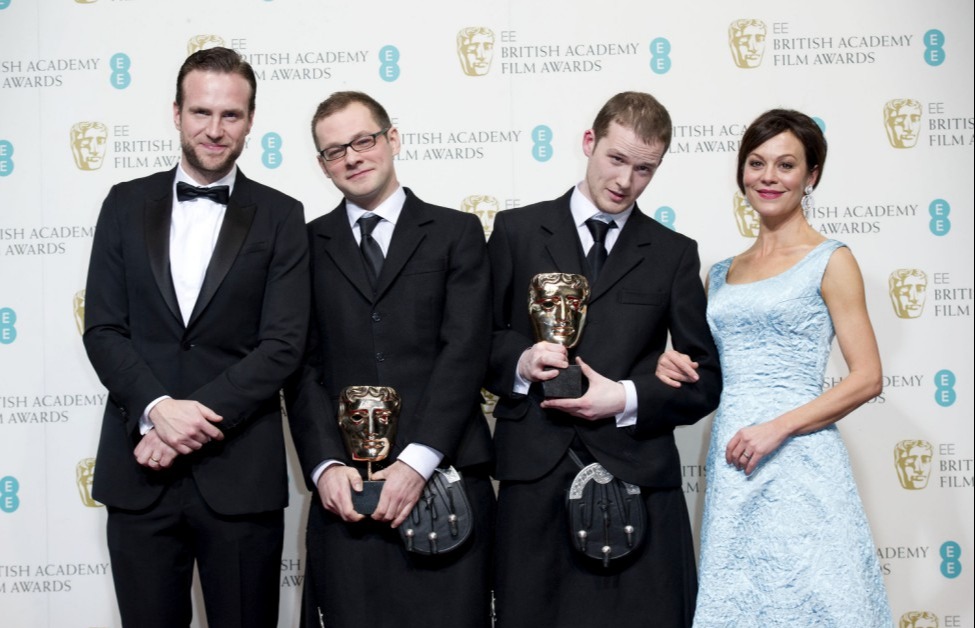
557 305
367 417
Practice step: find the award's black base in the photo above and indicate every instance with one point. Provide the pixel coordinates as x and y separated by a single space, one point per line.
566 385
365 502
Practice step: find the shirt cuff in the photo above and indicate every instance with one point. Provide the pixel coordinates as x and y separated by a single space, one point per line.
317 472
521 384
145 424
627 417
422 459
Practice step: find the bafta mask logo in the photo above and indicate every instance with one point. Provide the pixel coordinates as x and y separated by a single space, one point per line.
78 306
89 142
908 288
557 304
368 417
747 41
84 476
484 207
745 217
202 42
475 48
918 619
913 458
902 120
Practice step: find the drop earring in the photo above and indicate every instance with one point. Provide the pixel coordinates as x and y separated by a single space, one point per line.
807 198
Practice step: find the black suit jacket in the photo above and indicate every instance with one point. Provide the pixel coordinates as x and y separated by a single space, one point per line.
424 331
245 336
650 285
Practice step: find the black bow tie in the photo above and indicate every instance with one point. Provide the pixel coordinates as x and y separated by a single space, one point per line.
217 194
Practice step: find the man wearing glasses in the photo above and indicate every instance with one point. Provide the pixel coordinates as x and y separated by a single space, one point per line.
401 299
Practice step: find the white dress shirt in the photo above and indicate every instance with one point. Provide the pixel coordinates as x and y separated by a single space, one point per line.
193 230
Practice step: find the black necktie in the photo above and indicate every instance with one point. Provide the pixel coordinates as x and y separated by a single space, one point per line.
597 252
217 194
371 250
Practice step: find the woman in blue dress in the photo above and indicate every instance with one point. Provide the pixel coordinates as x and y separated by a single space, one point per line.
784 539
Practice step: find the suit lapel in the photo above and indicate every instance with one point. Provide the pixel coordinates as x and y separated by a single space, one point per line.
236 224
340 245
410 231
561 239
158 216
628 252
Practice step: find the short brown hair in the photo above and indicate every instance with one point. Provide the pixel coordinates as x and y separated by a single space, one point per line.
637 111
340 100
218 59
775 121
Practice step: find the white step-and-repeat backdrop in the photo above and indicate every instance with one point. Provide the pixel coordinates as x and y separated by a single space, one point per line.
491 99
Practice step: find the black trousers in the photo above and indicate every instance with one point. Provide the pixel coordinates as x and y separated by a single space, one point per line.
153 552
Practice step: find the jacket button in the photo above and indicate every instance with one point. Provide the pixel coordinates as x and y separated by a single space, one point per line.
376 317
380 357
187 346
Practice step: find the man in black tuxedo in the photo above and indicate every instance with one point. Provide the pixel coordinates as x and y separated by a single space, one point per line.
401 299
196 313
645 284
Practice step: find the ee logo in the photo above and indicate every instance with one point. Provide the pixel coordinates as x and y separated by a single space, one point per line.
940 224
665 216
9 501
542 143
934 52
389 68
944 393
271 157
950 563
660 55
8 332
6 158
120 64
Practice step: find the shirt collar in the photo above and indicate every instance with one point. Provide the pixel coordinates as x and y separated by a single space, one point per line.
228 179
387 210
583 209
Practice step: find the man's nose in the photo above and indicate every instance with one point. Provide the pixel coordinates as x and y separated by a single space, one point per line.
215 128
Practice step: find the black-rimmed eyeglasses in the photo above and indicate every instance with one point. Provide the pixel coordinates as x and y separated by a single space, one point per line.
359 145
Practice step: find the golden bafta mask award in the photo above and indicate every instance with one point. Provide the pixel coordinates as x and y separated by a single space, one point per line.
557 305
367 417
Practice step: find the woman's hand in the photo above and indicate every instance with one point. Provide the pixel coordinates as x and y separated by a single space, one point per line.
753 443
674 367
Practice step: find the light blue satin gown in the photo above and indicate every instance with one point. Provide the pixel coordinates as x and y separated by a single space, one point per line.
790 544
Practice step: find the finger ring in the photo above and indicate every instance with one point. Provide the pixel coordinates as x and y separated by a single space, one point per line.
156 460
747 456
